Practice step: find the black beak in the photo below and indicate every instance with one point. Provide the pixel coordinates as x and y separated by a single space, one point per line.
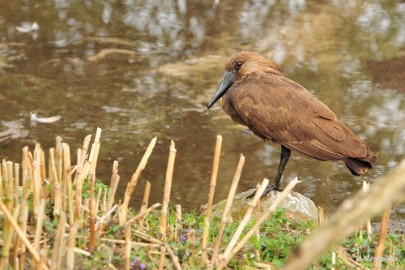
226 82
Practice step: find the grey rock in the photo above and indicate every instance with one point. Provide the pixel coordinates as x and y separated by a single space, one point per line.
297 206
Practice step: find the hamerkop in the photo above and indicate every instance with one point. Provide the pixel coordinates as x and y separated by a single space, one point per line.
256 94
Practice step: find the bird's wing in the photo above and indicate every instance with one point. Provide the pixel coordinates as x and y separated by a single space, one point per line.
281 110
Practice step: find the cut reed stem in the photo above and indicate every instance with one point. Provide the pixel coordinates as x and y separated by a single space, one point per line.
263 218
245 220
166 200
227 209
379 250
213 183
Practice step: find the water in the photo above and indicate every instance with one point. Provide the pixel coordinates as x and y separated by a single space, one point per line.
170 57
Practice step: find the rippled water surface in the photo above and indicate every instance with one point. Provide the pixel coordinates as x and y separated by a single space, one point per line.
140 69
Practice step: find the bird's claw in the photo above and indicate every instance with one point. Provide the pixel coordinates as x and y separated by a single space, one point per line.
266 190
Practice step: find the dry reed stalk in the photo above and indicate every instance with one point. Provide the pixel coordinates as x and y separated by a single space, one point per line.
347 260
17 242
20 233
243 222
7 244
145 202
1 183
58 244
8 184
134 180
162 257
167 190
51 169
70 254
175 259
59 161
142 214
58 200
115 179
82 252
79 176
166 200
225 215
379 250
94 158
23 221
321 216
28 171
16 183
36 180
14 259
177 226
146 237
262 219
68 181
145 199
261 265
90 167
366 187
42 163
257 214
213 183
133 243
106 216
40 223
128 246
353 212
97 204
92 236
333 260
17 206
103 207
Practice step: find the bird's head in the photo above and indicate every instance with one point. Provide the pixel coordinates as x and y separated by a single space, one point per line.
239 66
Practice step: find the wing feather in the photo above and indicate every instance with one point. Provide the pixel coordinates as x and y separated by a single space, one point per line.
278 109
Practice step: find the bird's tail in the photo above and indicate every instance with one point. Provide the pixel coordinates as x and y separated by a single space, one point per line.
357 166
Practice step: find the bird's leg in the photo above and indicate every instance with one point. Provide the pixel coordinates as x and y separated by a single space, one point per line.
284 156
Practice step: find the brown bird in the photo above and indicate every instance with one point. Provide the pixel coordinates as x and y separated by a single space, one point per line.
256 94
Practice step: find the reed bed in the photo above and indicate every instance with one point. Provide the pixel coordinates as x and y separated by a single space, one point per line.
57 215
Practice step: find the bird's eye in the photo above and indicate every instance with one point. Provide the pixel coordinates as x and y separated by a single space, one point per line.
238 65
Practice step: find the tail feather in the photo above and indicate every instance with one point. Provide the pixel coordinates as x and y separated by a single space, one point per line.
357 167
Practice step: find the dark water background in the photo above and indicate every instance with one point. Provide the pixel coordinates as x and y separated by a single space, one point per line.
173 56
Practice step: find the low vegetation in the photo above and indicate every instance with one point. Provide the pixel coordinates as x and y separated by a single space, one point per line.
59 217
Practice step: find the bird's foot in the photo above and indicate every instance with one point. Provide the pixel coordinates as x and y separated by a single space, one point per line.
266 190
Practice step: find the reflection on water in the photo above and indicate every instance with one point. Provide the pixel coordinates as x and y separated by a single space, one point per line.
147 68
